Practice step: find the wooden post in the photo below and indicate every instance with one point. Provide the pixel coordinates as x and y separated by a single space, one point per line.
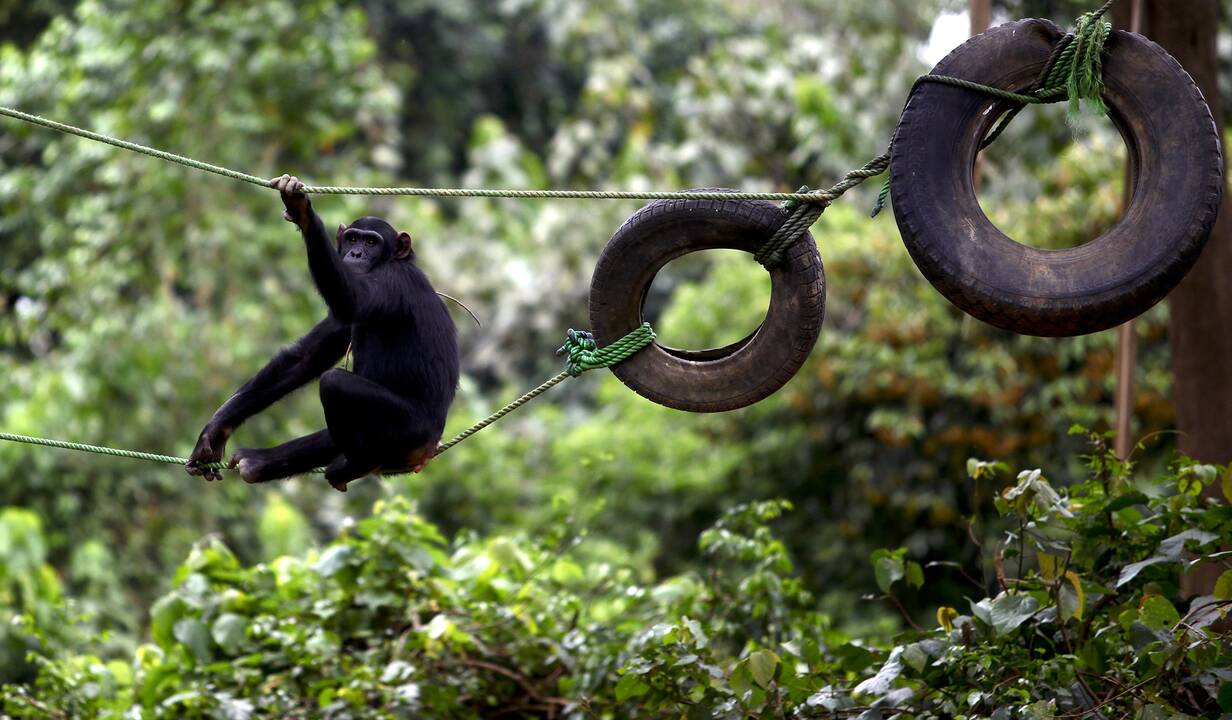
1200 324
1201 306
1126 15
981 16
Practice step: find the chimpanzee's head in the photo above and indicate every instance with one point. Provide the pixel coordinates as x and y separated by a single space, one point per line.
370 242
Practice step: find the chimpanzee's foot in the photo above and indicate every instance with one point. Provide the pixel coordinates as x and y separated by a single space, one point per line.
419 459
252 464
342 471
419 466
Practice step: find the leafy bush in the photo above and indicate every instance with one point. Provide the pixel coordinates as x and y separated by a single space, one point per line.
392 621
130 307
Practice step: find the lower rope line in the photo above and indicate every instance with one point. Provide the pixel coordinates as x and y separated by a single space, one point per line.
503 411
115 452
580 349
582 354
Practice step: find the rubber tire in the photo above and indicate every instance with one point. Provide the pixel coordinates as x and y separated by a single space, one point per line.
718 379
1174 157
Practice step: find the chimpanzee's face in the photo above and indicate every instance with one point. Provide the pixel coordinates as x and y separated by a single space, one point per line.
364 250
370 242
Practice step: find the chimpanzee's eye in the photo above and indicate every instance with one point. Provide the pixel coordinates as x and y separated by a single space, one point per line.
370 242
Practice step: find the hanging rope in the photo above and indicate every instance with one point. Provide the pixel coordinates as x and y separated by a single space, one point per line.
581 352
1074 71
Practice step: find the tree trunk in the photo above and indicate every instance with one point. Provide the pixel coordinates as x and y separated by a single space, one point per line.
980 12
1201 306
1201 326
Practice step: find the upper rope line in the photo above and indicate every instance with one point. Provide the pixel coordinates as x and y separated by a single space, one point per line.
806 197
806 205
1075 71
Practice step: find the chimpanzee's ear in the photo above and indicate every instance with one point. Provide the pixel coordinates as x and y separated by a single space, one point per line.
404 246
338 237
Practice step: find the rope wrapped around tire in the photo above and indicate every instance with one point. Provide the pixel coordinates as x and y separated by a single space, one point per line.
1175 162
723 378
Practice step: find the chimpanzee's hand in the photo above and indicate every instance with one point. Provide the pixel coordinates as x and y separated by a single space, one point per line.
211 445
298 207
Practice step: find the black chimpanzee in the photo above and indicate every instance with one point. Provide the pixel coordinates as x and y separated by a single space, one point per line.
388 414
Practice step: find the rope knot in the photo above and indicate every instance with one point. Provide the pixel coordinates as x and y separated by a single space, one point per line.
792 204
1077 73
582 353
1086 71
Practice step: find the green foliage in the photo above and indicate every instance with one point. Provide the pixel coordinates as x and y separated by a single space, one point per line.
29 587
124 279
897 395
282 529
135 296
391 620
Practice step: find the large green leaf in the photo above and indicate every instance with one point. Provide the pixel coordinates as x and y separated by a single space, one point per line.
1008 611
228 632
762 664
192 634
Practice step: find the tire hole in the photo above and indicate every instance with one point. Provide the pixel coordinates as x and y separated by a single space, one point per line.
708 299
1049 184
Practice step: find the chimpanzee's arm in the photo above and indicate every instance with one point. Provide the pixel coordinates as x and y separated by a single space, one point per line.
291 368
333 280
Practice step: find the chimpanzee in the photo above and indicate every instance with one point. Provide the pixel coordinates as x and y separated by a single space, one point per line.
387 415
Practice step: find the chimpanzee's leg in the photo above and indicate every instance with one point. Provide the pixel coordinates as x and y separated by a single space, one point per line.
290 458
370 425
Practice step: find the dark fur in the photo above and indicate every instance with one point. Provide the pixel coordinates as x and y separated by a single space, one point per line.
389 411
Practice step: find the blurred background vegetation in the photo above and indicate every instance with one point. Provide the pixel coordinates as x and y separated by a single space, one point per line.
135 296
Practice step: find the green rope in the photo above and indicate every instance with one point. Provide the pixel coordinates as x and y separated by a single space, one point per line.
548 385
134 147
413 191
807 206
1073 72
804 214
582 354
1039 97
115 452
1085 80
580 349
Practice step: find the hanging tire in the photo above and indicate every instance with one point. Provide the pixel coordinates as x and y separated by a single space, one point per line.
717 379
1173 154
